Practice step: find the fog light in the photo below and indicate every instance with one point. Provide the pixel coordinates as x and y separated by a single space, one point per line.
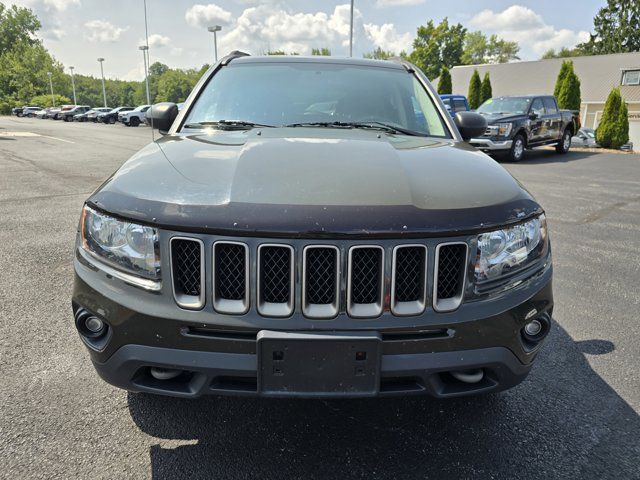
533 328
94 324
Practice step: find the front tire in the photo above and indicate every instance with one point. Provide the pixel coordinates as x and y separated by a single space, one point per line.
134 122
564 144
516 153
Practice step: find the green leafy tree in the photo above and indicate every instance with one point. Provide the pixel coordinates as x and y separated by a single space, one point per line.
564 52
175 86
46 100
444 83
613 130
437 46
379 54
475 85
565 68
616 29
18 25
479 49
324 52
569 95
485 89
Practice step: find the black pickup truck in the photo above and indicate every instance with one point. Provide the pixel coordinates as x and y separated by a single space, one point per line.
519 123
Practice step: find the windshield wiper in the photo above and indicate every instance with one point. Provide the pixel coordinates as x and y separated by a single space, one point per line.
227 125
371 125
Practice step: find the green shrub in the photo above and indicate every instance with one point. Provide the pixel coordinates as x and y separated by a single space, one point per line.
444 84
569 96
45 100
485 89
613 130
567 65
475 84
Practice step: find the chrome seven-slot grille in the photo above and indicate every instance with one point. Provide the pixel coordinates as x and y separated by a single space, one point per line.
321 270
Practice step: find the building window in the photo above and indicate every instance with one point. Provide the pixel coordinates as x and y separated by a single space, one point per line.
631 77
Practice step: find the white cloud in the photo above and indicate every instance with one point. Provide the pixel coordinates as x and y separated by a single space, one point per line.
103 31
386 37
157 41
206 15
398 3
58 5
528 28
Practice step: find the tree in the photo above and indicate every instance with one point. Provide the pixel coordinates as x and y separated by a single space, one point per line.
564 52
616 27
18 25
475 86
444 84
613 130
379 54
323 52
485 89
479 49
564 71
437 46
569 95
175 86
45 100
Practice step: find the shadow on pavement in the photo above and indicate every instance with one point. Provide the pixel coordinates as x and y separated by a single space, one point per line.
564 421
543 155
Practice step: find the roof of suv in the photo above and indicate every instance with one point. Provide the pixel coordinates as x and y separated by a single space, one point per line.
318 59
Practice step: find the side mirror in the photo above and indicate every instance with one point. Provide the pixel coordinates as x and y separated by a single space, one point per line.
470 124
533 116
162 115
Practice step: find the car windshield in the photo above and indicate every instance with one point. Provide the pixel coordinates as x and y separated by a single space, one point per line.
505 105
332 95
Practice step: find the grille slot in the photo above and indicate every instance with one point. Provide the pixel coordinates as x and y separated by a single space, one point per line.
366 273
275 280
187 268
230 277
449 275
408 282
320 281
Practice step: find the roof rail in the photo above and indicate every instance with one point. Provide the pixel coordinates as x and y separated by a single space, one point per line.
401 61
235 54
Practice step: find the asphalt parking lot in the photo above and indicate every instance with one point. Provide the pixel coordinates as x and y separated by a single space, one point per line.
576 416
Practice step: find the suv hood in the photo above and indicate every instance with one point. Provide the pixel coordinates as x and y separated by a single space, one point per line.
507 117
314 182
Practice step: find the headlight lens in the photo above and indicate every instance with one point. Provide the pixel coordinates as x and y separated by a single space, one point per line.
504 252
124 245
504 129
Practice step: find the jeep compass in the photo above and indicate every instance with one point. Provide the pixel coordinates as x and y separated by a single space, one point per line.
312 227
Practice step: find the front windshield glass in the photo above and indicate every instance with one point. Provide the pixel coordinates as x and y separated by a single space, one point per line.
290 93
501 105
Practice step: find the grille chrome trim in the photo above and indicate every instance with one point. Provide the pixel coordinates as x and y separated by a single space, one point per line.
188 302
415 307
317 310
225 305
365 310
449 304
269 309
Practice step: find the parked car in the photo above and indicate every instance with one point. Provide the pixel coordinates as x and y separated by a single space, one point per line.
586 137
17 111
112 115
265 247
133 118
25 111
68 115
42 113
93 114
455 103
521 122
56 114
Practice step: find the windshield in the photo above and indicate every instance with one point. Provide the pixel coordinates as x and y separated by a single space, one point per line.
518 105
293 93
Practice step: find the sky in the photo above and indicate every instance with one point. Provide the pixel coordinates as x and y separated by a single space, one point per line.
77 32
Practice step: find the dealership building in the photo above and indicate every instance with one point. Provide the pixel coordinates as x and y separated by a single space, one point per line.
598 75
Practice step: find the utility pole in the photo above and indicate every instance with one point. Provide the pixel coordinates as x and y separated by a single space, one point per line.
104 92
144 49
53 99
73 85
351 32
215 29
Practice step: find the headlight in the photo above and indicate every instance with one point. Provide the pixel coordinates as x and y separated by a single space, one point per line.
126 246
504 129
504 252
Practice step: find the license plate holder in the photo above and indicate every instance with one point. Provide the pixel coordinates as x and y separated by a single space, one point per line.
318 364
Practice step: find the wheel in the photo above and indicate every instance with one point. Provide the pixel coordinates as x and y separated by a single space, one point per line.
134 121
19 114
564 144
112 120
517 148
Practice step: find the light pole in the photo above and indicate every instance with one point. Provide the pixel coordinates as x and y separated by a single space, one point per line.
144 49
104 92
351 32
73 85
53 99
214 30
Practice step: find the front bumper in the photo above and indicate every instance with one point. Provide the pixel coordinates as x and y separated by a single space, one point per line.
219 352
490 145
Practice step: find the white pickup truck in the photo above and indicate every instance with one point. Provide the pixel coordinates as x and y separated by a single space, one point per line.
134 117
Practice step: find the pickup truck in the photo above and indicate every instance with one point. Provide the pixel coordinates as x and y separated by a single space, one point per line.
524 122
455 103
